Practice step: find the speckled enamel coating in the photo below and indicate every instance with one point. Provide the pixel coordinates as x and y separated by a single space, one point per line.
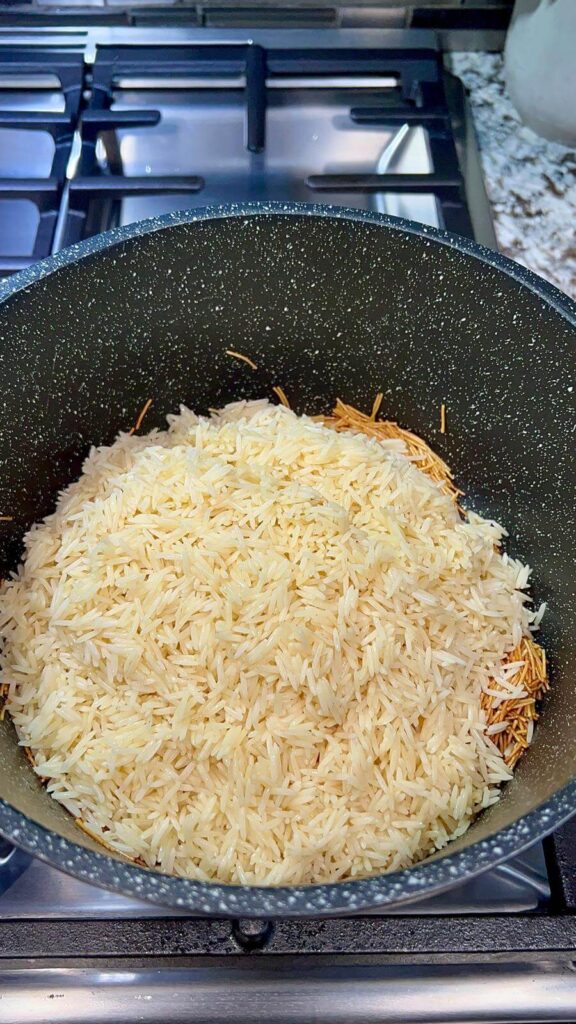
327 301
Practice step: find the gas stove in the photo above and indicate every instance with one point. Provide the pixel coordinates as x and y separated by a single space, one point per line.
104 125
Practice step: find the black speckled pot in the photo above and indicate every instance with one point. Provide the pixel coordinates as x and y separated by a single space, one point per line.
331 302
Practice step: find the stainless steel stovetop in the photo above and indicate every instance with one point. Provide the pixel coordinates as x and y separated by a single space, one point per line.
30 889
102 126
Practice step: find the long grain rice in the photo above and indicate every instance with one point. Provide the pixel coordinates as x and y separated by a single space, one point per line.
253 649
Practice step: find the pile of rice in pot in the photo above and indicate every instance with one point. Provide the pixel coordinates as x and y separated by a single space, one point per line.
254 649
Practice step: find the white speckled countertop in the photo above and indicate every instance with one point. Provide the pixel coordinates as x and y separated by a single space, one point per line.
531 182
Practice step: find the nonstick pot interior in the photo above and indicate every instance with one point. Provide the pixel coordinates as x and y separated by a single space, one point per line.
328 303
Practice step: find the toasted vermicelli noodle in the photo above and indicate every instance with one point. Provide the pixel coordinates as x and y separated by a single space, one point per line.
257 649
510 722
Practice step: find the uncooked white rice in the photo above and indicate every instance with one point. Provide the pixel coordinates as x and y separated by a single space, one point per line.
252 649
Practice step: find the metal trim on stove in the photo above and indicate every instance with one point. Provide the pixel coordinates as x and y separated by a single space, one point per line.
465 938
278 993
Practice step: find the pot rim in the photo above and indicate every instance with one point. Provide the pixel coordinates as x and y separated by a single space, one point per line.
552 295
213 898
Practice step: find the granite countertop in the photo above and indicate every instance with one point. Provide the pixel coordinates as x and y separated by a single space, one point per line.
531 183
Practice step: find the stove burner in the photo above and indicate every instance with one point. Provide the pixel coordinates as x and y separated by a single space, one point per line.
143 130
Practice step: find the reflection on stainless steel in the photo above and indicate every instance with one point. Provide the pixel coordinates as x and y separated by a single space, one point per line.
518 873
391 156
18 226
282 82
290 994
308 131
32 889
29 82
151 82
7 851
27 154
348 82
29 888
74 155
24 154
